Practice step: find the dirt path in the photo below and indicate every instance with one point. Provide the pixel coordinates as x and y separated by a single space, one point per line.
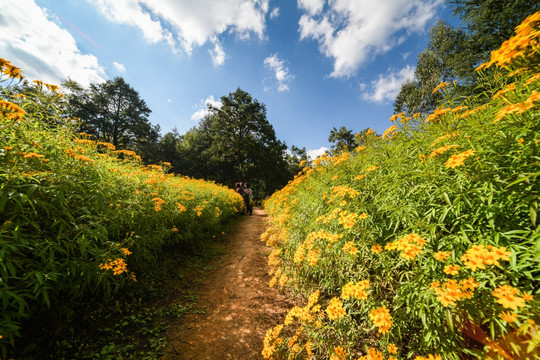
235 306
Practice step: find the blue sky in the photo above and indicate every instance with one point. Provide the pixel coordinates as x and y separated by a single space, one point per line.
315 64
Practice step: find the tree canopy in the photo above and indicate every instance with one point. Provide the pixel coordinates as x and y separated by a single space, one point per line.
234 142
453 53
114 112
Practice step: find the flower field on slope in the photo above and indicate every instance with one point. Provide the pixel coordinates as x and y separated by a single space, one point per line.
79 217
422 243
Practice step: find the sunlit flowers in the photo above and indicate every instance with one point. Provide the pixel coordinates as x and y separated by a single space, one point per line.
335 309
478 256
459 159
452 291
441 85
508 297
442 150
392 348
388 132
441 255
409 245
376 248
11 111
354 290
452 269
350 248
381 318
339 353
508 316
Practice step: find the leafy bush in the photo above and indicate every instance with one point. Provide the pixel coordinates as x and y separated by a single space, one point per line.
423 243
79 217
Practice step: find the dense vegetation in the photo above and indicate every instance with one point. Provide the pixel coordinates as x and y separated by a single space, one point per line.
233 142
80 217
423 242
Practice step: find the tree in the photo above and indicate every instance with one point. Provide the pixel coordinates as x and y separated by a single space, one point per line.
342 139
113 112
453 54
489 23
235 142
439 62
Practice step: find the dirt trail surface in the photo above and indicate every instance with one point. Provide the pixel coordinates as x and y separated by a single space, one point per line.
235 306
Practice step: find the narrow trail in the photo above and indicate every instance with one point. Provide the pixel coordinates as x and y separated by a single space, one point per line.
235 306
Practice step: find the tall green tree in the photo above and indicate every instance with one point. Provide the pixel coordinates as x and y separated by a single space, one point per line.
488 24
236 142
342 139
453 54
114 112
439 62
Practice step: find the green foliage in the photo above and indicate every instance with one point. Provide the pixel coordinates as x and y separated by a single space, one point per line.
341 139
465 180
113 112
77 214
453 54
233 143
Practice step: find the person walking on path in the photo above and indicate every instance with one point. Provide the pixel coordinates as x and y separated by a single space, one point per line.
248 195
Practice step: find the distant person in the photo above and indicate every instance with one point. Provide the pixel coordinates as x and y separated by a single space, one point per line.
248 196
239 188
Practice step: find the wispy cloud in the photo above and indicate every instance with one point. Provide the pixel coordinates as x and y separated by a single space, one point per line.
354 32
281 72
31 39
217 53
387 87
203 108
119 67
274 13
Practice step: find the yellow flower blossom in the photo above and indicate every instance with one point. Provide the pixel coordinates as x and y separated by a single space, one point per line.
335 309
381 318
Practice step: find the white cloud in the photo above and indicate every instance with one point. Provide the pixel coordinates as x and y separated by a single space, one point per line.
311 6
203 108
185 23
281 72
119 67
387 87
312 154
217 54
274 13
352 32
31 40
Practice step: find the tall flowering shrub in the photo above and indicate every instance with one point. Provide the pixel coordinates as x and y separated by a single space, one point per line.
422 243
79 217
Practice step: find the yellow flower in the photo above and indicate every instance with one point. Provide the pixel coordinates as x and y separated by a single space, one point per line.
356 291
392 349
381 318
459 159
350 248
452 269
125 251
441 85
507 296
441 255
335 309
377 248
508 316
339 354
389 131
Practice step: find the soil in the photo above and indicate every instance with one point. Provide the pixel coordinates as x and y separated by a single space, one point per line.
235 305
